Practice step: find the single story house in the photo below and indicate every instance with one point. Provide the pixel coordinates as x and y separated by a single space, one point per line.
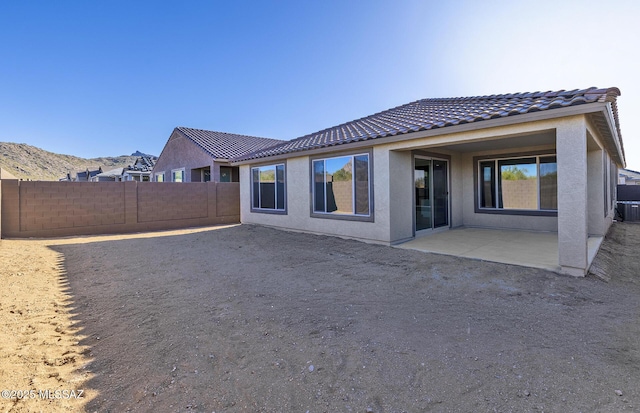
84 176
628 177
543 161
111 175
196 155
140 171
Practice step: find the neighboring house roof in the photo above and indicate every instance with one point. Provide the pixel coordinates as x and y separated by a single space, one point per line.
629 174
86 175
111 173
429 114
222 145
142 164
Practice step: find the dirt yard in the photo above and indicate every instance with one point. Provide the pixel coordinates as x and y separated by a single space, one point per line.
251 319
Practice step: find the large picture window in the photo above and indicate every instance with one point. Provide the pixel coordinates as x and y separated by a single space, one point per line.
268 188
528 183
341 186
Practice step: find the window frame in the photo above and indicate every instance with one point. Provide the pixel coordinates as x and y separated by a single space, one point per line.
613 184
477 178
160 174
275 211
173 175
370 217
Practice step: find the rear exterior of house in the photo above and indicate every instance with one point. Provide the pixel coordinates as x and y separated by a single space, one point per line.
537 161
197 155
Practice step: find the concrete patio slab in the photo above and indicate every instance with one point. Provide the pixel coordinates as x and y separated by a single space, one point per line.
525 248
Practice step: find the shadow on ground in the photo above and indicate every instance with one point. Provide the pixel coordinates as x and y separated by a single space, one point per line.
255 319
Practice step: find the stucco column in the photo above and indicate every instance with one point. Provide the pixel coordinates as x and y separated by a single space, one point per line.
401 202
571 149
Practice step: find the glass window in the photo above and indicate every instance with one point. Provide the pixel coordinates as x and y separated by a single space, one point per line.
177 175
268 187
362 184
160 177
520 183
225 174
341 185
548 183
488 184
280 187
613 181
318 186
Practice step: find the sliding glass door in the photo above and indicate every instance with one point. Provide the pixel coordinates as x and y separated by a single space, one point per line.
431 181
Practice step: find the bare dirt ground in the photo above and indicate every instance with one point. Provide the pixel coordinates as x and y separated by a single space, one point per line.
251 319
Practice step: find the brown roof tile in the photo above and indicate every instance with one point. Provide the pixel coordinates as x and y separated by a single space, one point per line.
222 145
428 114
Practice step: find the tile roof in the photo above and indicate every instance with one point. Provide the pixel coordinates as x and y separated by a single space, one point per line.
112 173
143 163
428 114
222 145
629 174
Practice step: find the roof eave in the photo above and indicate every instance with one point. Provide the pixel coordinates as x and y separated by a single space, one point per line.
617 139
583 109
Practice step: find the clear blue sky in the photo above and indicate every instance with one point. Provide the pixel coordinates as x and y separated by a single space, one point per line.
102 78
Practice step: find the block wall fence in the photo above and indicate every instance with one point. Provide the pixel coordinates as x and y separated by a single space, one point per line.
53 209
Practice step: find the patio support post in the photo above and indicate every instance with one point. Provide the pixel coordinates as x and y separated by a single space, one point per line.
571 151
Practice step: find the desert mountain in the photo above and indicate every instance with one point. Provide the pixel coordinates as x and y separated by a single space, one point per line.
29 162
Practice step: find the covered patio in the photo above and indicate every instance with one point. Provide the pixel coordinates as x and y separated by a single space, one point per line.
525 248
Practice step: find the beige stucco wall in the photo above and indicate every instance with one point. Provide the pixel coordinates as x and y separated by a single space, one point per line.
400 195
456 190
298 215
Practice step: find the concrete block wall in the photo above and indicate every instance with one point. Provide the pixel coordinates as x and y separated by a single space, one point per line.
10 207
160 201
48 209
53 205
227 200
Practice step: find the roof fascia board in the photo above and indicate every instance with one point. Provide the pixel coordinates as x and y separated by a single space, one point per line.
467 127
310 152
165 145
614 133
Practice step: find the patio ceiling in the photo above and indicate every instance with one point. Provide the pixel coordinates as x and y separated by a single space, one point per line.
542 138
